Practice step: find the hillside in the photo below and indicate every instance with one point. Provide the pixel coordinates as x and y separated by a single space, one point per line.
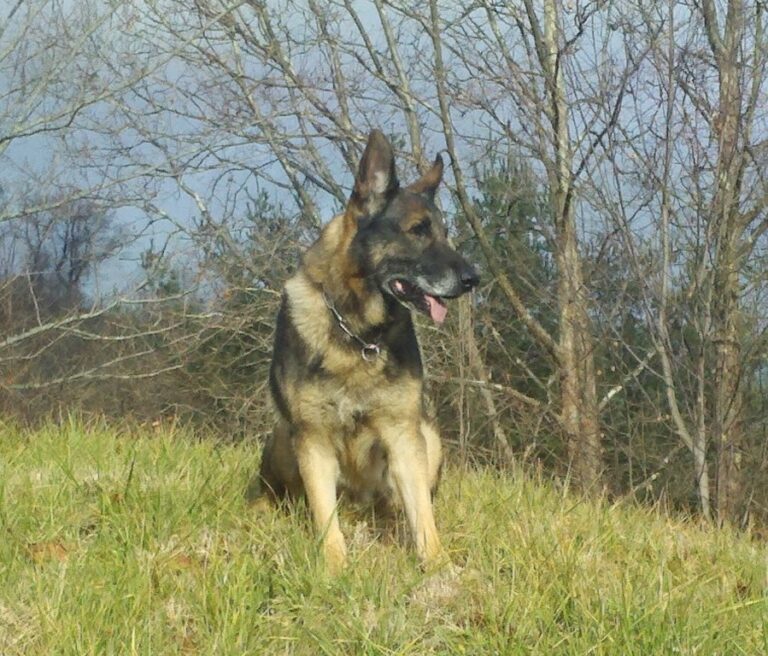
123 542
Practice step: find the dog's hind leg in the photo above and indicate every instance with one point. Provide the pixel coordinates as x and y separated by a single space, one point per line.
278 475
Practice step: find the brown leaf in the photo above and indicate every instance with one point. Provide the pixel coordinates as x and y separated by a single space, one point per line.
41 552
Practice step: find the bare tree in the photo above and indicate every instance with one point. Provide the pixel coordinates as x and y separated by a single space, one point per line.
61 64
63 67
740 60
525 71
698 156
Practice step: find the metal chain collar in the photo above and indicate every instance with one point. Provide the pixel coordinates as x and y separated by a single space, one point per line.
369 352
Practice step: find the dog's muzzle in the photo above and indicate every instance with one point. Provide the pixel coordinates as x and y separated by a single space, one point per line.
428 295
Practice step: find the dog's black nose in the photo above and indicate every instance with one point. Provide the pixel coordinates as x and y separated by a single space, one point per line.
469 278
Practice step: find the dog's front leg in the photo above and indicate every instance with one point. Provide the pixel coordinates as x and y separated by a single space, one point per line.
319 469
410 474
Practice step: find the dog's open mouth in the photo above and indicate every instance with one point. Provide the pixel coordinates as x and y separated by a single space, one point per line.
407 292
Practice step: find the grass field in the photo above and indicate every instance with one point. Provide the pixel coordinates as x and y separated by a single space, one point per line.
123 542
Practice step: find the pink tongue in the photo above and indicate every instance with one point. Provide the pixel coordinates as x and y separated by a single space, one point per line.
437 309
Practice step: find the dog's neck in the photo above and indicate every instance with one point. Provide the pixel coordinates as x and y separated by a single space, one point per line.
332 269
360 302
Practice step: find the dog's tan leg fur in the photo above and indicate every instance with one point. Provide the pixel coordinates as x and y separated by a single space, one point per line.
410 463
434 449
320 472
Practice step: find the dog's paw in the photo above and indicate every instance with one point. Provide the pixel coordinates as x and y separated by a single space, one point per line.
260 504
335 557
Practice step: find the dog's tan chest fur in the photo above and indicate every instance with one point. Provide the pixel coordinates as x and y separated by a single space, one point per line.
316 330
340 405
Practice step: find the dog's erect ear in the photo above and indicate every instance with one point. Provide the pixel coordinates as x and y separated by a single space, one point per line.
376 179
428 183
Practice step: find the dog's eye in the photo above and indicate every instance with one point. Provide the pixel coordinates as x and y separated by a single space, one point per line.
421 229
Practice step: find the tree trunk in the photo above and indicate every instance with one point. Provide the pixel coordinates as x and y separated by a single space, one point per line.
727 400
578 395
477 369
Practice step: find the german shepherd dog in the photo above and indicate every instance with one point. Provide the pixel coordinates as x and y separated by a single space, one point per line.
346 373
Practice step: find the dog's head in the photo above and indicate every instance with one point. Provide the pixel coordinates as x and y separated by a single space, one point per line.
401 241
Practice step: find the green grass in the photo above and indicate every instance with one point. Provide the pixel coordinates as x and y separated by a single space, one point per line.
130 542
